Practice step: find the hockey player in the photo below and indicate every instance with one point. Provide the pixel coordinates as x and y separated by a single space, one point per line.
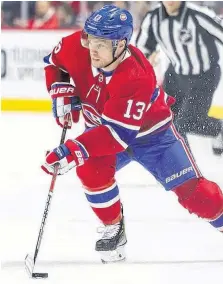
127 118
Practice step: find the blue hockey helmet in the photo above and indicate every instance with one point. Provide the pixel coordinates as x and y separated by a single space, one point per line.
110 22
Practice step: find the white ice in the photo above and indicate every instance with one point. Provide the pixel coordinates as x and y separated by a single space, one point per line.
166 245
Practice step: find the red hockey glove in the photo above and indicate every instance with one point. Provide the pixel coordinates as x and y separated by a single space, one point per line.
68 155
65 100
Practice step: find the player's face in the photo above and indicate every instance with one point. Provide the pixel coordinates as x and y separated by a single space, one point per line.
100 51
171 6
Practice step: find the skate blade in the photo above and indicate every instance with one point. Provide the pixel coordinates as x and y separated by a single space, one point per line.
113 262
114 256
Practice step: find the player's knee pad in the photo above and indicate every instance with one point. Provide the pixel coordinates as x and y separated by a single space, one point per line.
97 172
201 197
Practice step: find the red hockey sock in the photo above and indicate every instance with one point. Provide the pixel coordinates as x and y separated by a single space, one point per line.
105 202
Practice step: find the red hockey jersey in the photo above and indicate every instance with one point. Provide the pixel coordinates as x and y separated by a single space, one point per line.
118 106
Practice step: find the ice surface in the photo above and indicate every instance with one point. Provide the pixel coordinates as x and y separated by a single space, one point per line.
165 243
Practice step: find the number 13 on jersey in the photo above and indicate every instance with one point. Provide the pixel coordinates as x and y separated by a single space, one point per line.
135 110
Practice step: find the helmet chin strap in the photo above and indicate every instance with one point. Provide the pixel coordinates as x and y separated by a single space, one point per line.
114 57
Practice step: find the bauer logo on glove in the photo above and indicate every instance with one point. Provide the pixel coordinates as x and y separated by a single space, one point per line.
68 155
65 100
62 90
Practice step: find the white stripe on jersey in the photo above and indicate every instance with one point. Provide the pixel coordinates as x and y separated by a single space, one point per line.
144 34
183 60
215 31
191 159
209 27
204 54
155 127
128 126
192 49
165 38
116 136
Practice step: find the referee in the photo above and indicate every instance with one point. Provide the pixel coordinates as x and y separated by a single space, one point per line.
187 34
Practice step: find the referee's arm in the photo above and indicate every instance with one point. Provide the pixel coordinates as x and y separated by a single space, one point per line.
211 23
145 40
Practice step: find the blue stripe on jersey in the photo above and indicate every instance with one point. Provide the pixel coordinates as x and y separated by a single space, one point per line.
218 222
125 134
154 95
103 197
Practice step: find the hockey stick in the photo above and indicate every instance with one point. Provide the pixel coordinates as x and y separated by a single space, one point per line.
29 261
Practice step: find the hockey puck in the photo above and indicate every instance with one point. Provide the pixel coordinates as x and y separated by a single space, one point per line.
39 275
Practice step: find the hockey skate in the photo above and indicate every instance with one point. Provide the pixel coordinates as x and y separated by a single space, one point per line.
112 243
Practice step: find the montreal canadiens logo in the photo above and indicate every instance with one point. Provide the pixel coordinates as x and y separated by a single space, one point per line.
123 17
91 114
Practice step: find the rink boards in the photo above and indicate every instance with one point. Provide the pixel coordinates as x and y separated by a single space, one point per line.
22 71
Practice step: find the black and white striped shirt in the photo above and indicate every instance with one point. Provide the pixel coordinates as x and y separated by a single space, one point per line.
188 39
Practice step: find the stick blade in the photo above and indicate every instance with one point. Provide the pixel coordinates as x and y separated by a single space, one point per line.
29 265
39 275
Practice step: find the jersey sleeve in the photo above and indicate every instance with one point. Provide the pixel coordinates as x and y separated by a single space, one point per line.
55 62
54 67
58 56
146 40
121 121
210 22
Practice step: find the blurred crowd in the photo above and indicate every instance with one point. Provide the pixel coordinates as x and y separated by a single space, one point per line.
71 14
